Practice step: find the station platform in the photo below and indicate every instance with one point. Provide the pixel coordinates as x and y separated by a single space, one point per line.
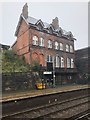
35 93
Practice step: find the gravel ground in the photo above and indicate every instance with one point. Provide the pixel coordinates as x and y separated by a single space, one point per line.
59 108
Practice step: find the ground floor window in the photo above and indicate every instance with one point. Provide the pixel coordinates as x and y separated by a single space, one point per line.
49 58
72 63
68 62
62 62
57 61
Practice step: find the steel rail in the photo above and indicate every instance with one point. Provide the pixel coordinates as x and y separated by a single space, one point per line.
45 106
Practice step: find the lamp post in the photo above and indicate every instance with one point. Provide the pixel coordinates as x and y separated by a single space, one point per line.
53 72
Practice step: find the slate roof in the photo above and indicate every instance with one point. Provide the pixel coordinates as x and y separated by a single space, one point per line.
33 21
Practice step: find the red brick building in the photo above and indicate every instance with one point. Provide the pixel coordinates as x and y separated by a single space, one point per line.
46 43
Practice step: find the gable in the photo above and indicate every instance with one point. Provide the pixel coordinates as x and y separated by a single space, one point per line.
22 22
50 28
40 24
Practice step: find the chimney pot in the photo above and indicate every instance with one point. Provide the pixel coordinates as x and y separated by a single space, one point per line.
25 11
55 23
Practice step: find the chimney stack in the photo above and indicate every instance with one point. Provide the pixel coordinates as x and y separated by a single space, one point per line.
25 11
55 23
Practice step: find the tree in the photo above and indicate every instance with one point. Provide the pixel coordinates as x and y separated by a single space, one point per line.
35 66
12 63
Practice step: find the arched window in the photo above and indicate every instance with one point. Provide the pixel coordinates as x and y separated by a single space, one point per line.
61 46
35 40
72 63
57 61
67 48
62 62
49 44
68 63
71 48
56 46
42 42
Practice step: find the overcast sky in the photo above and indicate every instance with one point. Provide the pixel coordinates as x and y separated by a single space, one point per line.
73 16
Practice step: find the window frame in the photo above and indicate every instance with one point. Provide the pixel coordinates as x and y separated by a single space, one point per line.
68 63
56 45
50 58
35 41
41 42
72 63
57 59
61 46
71 49
49 44
67 48
62 62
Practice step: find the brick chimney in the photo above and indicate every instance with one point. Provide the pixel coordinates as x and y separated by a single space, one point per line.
25 11
55 23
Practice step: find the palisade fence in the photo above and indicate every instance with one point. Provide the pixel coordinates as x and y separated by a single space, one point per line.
18 81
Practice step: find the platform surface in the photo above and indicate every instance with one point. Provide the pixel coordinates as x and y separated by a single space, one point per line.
34 93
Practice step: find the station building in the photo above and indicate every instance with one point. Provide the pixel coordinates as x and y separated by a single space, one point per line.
48 44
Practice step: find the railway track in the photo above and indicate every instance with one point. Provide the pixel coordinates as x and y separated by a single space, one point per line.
85 116
56 110
64 108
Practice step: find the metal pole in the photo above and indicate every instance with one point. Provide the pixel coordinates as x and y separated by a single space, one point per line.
53 72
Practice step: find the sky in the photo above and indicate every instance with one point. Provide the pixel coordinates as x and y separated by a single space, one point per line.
73 16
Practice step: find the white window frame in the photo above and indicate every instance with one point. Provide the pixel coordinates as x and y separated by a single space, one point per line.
61 46
68 62
56 45
49 44
50 58
72 63
62 62
35 40
71 49
42 42
67 48
57 61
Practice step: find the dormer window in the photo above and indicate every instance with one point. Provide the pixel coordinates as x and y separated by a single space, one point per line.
49 44
61 46
71 48
67 48
50 30
42 42
35 40
56 45
40 24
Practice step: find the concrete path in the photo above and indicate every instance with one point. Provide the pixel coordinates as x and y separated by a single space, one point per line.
34 93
